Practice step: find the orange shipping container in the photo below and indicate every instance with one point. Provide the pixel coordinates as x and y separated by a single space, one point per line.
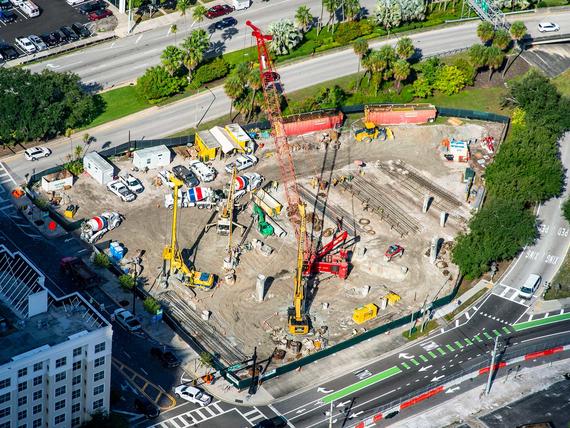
396 114
304 123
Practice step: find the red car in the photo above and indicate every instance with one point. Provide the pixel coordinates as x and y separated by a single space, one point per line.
219 10
99 14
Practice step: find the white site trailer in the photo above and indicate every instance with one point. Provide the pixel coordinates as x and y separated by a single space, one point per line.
241 4
152 157
98 168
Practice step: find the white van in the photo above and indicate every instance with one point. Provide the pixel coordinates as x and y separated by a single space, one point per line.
204 172
530 286
241 4
30 9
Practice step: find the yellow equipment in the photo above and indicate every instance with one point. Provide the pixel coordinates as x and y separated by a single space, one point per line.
298 319
369 132
70 211
365 313
172 254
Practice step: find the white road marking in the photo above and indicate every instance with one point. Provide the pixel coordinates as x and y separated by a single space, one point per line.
542 337
139 39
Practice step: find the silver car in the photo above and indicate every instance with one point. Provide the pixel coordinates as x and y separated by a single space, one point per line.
25 44
38 43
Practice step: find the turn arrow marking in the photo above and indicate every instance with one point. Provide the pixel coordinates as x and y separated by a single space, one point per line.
436 378
450 390
301 410
324 390
406 356
423 369
344 403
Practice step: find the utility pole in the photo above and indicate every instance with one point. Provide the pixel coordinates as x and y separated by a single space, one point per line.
331 415
253 386
492 368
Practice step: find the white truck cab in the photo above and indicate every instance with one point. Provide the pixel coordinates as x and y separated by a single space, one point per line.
241 4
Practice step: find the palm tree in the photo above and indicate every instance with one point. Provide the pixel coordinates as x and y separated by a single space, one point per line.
405 48
478 56
360 48
199 13
401 70
182 6
485 32
194 47
303 17
172 58
518 30
285 36
234 88
502 39
350 9
331 6
174 30
254 82
495 58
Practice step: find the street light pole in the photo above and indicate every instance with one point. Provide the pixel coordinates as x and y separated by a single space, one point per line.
492 368
206 112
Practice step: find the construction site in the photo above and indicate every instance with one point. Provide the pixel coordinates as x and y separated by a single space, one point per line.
299 237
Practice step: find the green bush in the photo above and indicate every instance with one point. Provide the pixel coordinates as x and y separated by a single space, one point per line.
156 84
467 68
102 260
566 209
450 80
346 32
151 305
209 72
75 167
422 87
126 282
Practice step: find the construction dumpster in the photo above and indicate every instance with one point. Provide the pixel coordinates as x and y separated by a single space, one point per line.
365 313
396 114
305 123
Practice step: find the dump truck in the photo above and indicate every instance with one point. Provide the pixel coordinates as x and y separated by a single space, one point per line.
79 272
266 202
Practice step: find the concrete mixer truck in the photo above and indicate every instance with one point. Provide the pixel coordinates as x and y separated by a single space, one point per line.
94 228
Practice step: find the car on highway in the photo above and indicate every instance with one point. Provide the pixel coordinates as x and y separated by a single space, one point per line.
193 395
228 21
548 27
219 10
167 358
126 319
118 188
87 8
240 163
132 183
8 53
148 409
49 39
8 16
69 33
99 14
530 286
81 30
74 2
25 44
38 152
38 42
187 176
276 422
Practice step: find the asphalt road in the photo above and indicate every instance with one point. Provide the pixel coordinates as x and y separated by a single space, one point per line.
125 59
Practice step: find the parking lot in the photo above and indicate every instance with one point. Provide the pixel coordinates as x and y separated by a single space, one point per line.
54 14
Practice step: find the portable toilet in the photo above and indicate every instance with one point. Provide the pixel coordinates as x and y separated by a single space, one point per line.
98 168
116 250
152 157
365 313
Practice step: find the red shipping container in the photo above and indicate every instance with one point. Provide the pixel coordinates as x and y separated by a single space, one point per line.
396 114
304 123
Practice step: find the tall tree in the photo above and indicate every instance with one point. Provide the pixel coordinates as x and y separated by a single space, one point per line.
182 6
405 48
172 59
495 59
194 47
254 83
234 88
331 7
388 13
174 30
199 13
485 32
350 9
361 49
304 18
285 36
478 56
502 39
518 30
401 70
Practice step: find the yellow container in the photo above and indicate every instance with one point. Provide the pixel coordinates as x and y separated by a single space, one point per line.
365 313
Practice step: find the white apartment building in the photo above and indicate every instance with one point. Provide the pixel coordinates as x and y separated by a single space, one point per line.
55 352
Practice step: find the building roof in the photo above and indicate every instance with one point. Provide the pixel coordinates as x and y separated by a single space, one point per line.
237 132
221 135
36 318
152 150
98 160
208 139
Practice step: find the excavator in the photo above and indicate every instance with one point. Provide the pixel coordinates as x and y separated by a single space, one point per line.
172 255
298 319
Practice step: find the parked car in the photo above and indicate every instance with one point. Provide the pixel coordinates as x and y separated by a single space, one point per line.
271 75
38 152
48 39
241 162
8 16
122 191
187 176
5 5
74 2
219 10
227 22
99 14
81 30
204 172
87 8
276 422
25 44
8 53
38 43
548 27
69 34
59 37
148 409
167 358
193 395
17 3
126 319
164 176
132 183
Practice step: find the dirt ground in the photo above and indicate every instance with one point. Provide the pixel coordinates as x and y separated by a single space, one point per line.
235 314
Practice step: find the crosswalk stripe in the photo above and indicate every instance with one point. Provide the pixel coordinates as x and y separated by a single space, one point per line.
487 335
197 411
424 359
406 366
441 351
415 362
217 407
259 416
458 344
449 347
251 412
496 333
431 354
478 339
506 330
188 418
468 342
209 410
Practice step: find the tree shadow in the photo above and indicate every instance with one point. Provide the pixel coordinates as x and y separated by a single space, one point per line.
216 49
229 33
